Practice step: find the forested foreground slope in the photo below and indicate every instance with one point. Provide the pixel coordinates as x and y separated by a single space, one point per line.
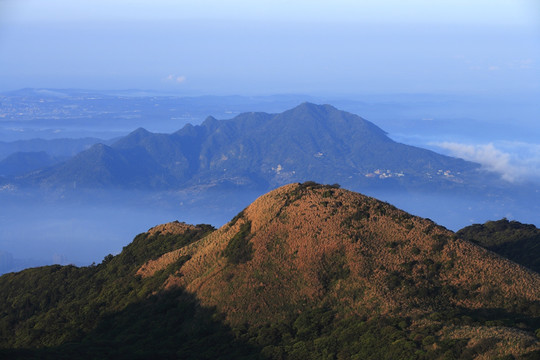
511 239
307 271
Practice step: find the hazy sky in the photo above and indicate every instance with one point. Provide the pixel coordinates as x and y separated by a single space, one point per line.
262 47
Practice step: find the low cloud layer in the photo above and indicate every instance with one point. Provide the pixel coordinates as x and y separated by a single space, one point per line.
514 161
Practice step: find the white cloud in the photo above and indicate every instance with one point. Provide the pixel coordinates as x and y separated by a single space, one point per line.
175 78
526 64
514 161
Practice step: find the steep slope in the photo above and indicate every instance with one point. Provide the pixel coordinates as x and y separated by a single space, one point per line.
20 163
316 142
55 147
262 150
102 166
307 271
511 239
165 150
49 306
332 245
306 246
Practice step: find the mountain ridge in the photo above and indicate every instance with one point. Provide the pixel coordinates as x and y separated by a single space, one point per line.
305 271
310 141
264 214
20 163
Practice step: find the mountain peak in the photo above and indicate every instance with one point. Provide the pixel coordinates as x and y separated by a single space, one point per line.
310 105
210 122
174 227
305 267
312 108
263 150
140 131
310 244
134 138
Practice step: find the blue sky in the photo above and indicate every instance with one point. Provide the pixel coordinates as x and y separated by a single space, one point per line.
264 47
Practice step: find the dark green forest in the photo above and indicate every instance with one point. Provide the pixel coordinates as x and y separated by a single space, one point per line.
106 311
510 239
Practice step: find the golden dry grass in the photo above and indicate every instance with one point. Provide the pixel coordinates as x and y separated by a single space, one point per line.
174 227
507 341
385 258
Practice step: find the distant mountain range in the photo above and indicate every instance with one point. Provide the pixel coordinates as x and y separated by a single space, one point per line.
260 150
307 271
53 147
20 163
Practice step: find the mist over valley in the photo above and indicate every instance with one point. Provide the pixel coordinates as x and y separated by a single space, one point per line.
75 200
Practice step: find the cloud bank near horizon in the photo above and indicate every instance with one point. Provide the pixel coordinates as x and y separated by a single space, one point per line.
513 161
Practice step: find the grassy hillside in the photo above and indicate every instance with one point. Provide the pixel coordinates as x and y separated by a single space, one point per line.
306 272
319 247
54 305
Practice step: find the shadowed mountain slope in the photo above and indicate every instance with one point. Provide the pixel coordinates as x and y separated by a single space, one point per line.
103 166
60 148
306 271
263 150
20 163
511 239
